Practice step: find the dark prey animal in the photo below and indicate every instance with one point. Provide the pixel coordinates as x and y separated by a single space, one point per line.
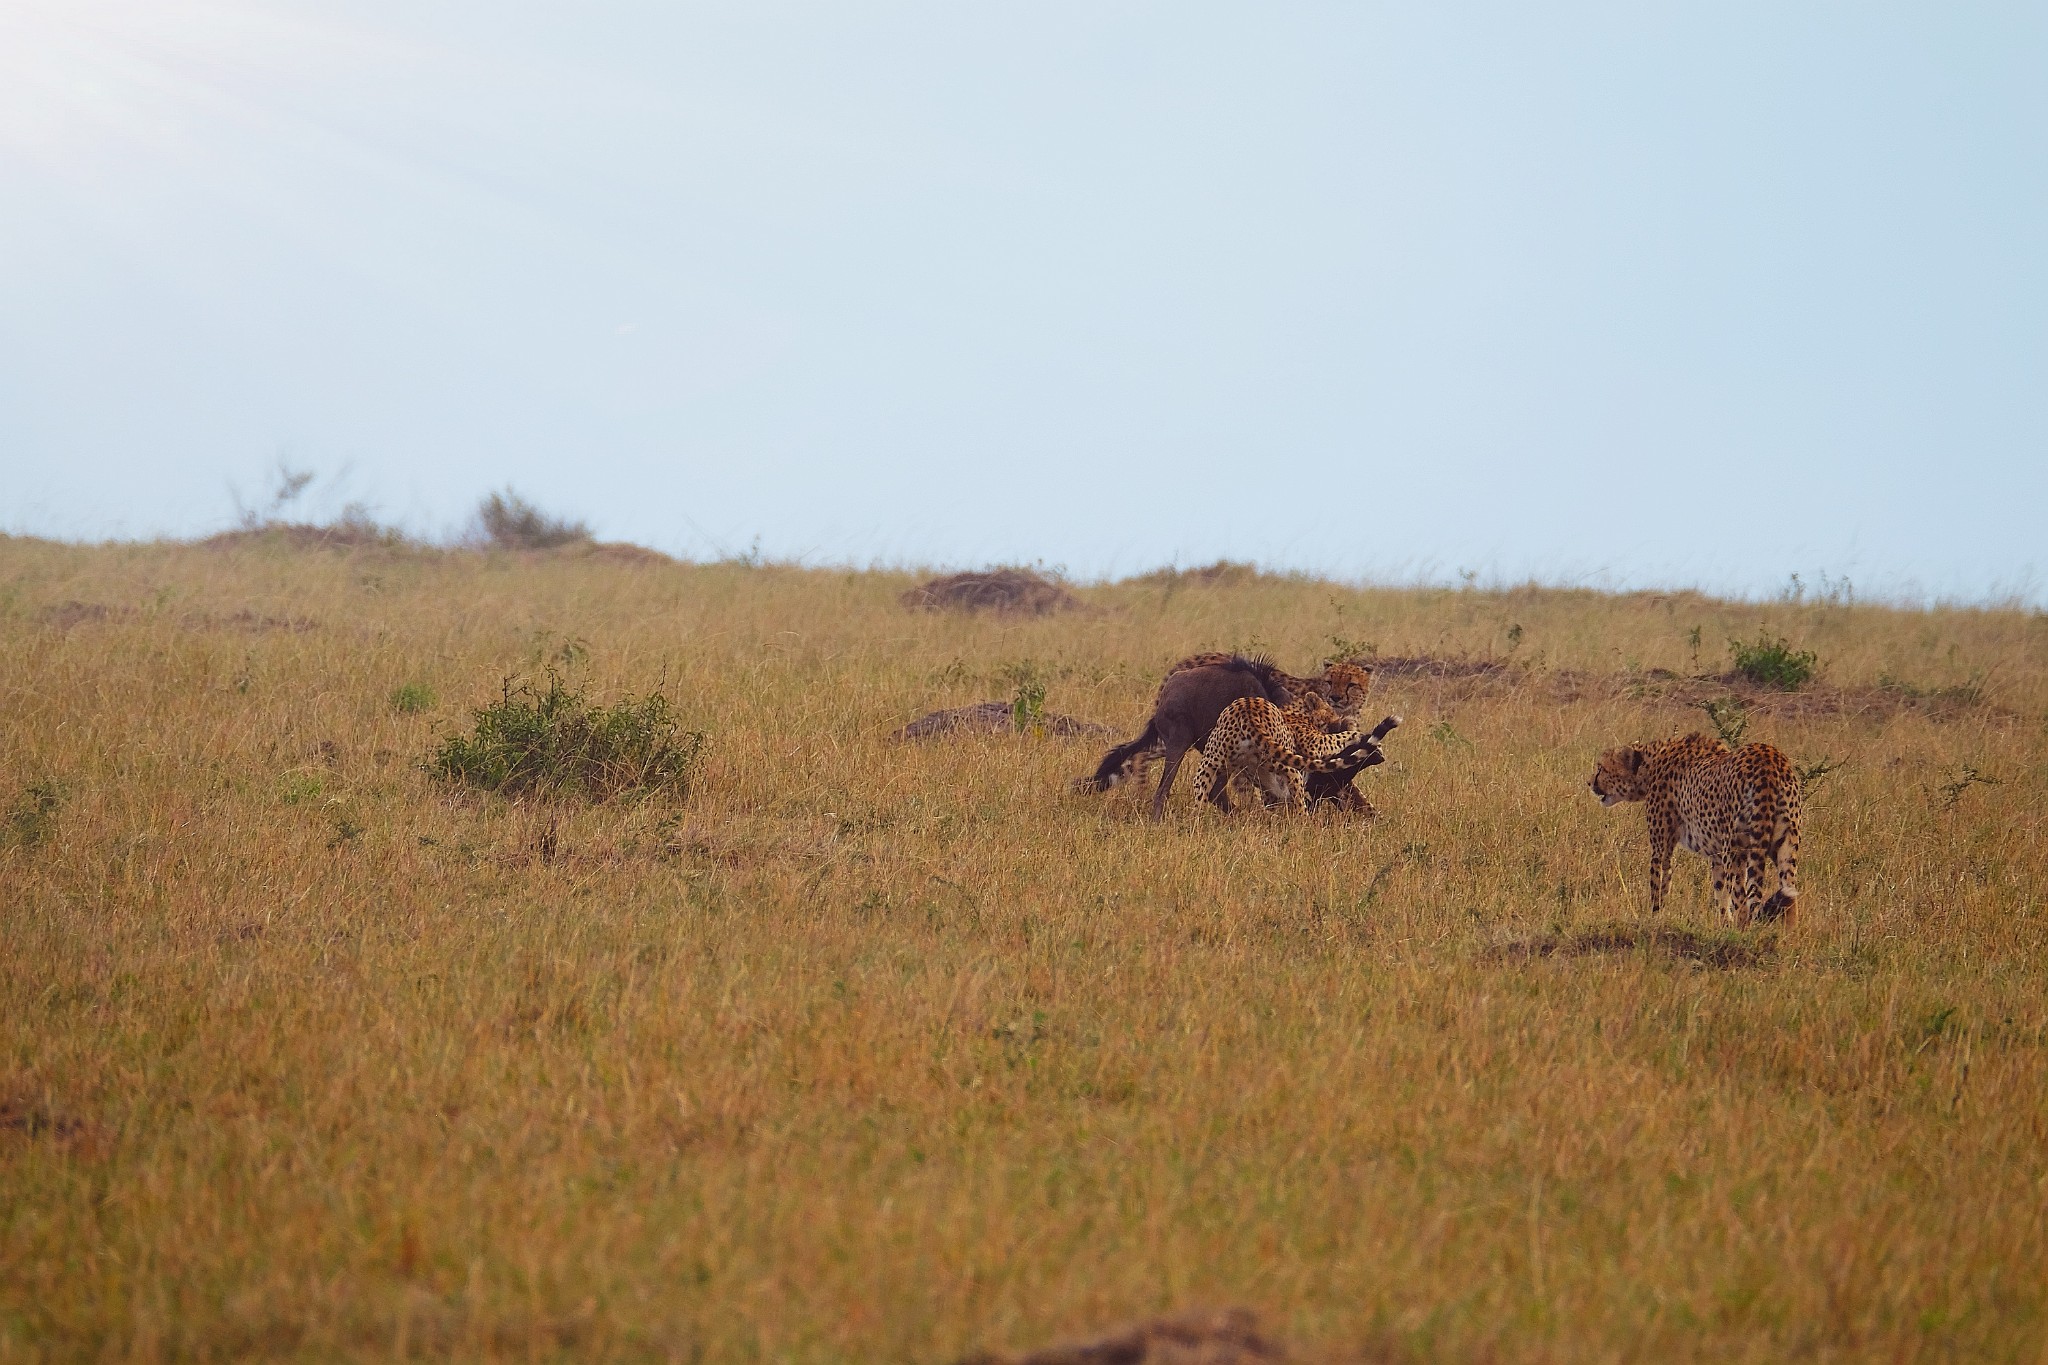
1336 786
1183 715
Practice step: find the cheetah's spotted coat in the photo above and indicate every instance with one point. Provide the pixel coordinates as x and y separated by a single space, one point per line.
1739 808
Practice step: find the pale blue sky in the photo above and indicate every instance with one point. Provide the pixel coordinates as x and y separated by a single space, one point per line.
1625 294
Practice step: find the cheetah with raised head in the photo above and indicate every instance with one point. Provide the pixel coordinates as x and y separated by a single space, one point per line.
1738 808
1275 748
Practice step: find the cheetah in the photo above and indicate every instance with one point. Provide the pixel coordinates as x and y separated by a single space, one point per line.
1739 808
1274 749
1183 705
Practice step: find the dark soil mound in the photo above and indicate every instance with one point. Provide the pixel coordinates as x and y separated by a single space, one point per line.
1388 666
1010 591
65 615
989 718
1462 677
1232 1337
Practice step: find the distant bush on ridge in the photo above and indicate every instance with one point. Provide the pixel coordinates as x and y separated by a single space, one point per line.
509 522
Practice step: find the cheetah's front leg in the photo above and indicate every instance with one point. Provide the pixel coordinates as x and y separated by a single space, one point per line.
1663 839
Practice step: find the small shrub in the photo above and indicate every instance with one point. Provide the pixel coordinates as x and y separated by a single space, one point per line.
1344 649
509 522
1968 777
1027 706
298 788
551 739
32 819
1810 774
1730 719
1774 663
412 698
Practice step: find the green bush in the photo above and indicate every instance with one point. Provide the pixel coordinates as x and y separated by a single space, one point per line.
551 739
412 698
1774 663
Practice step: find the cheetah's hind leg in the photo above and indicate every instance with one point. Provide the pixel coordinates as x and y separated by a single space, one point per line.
1785 900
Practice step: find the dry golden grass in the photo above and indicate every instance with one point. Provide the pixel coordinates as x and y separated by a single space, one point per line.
869 1051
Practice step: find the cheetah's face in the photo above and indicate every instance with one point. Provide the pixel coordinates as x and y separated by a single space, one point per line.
1312 708
1618 776
1346 684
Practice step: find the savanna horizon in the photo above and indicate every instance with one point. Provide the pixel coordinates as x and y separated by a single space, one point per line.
860 1049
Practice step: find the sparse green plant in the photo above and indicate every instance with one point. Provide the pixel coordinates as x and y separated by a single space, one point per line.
1343 647
1027 704
553 739
297 788
1443 732
1026 679
32 819
1514 637
1774 663
412 698
1729 717
1692 639
509 522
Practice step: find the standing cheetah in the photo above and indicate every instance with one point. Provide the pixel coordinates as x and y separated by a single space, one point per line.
1274 749
1739 808
1194 694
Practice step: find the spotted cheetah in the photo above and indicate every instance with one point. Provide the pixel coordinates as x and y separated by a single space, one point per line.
1274 748
1344 685
1739 808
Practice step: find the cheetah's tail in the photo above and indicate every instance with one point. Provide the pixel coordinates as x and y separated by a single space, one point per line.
1362 752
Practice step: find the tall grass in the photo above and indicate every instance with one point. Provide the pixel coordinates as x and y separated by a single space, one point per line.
866 1051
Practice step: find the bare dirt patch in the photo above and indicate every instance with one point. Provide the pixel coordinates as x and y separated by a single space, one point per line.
1389 666
1016 592
68 615
256 623
990 718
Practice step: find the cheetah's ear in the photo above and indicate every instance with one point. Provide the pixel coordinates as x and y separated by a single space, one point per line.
1633 759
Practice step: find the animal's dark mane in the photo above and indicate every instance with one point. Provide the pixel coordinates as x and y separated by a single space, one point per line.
1264 669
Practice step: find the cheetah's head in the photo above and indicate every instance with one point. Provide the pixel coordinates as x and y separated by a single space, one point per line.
1317 711
1618 776
1345 684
